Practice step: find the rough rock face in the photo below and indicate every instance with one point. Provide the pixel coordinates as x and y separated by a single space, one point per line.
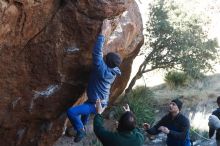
45 60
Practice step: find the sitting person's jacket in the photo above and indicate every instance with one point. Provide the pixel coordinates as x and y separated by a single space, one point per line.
108 138
179 130
211 129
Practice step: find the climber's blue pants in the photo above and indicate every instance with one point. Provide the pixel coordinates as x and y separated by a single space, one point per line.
79 115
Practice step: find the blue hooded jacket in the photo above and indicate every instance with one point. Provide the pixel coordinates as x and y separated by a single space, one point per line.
102 76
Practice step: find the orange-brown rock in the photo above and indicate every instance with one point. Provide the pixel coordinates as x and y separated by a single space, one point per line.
45 60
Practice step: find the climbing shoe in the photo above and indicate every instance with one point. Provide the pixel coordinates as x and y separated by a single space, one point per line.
79 135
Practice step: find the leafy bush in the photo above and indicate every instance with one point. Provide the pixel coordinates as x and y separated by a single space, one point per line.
175 79
195 74
141 103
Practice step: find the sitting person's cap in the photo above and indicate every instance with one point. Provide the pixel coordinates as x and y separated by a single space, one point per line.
178 103
113 60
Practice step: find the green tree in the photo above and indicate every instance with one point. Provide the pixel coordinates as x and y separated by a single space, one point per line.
175 39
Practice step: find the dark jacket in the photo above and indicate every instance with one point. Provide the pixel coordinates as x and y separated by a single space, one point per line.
212 130
179 130
132 138
102 76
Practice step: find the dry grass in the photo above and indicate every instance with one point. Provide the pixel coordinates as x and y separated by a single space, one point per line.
209 88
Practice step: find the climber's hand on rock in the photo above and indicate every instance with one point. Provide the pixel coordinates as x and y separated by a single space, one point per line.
106 27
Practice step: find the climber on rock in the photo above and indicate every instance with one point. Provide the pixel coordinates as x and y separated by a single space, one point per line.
102 76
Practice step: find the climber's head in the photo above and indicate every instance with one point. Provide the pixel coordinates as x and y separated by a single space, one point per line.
112 60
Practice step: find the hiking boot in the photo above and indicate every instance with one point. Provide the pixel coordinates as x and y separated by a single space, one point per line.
70 132
79 135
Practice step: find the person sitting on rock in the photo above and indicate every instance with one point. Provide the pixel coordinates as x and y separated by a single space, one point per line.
126 135
214 123
102 76
174 124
